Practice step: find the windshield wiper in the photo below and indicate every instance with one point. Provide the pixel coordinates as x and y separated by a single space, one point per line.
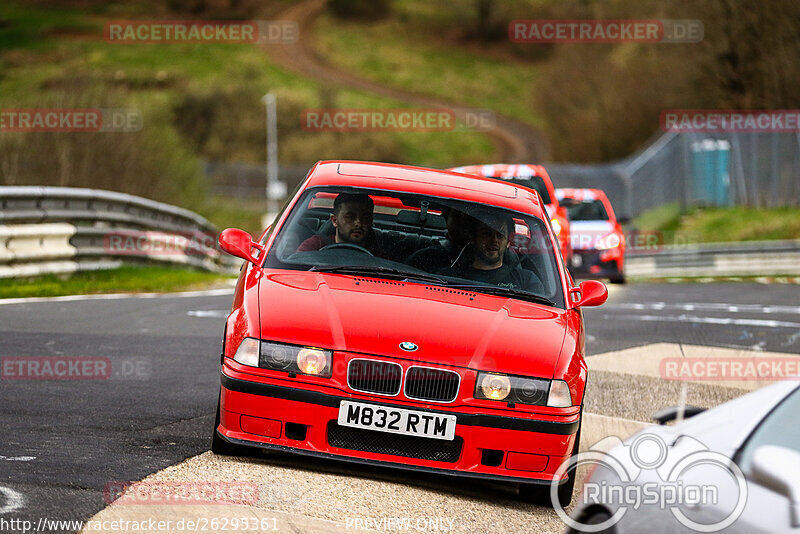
504 291
377 270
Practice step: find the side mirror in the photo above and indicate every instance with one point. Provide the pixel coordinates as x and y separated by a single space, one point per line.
623 220
238 243
671 413
589 293
778 469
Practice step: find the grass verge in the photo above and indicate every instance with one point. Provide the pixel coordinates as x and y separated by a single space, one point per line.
127 279
721 225
400 52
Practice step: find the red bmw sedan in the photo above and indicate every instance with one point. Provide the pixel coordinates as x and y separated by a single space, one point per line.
410 318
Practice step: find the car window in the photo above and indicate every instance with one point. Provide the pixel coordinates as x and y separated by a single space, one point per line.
588 210
536 183
778 428
459 243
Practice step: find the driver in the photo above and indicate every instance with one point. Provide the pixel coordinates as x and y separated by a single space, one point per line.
352 223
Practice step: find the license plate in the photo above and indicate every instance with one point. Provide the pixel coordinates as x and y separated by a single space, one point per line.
397 420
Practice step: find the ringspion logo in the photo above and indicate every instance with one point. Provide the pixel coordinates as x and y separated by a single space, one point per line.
647 472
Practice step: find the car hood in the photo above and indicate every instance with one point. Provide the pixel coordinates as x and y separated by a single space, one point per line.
725 428
373 316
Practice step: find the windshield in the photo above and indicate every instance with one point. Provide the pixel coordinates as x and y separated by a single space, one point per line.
420 238
589 210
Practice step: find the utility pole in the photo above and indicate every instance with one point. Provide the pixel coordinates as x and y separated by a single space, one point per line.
273 188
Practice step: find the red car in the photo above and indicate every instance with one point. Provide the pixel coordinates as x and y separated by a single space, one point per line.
535 177
598 242
362 330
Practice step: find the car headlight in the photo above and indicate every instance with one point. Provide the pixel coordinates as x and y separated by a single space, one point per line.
494 387
295 359
608 242
556 226
312 361
508 388
283 357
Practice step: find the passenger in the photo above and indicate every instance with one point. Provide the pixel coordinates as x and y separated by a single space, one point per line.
352 223
443 254
490 239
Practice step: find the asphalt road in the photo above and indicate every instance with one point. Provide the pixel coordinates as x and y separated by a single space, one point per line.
63 441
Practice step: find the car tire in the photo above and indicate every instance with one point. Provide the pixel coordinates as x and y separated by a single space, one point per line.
594 516
618 278
218 444
540 494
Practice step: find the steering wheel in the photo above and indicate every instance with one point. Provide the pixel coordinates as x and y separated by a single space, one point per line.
352 246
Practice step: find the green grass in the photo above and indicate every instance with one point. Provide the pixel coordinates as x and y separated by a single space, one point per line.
400 53
240 213
712 225
156 78
123 279
661 218
27 26
721 225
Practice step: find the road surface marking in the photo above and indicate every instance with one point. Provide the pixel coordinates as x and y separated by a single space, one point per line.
14 500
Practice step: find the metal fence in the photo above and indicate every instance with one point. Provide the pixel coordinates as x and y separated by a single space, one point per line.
740 169
64 229
247 180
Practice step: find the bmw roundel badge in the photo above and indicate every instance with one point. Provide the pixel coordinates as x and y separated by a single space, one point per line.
408 346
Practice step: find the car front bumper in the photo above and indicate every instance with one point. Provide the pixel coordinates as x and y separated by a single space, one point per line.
588 263
271 415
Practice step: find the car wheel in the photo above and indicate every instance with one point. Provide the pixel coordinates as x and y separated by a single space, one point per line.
539 494
618 278
219 445
594 516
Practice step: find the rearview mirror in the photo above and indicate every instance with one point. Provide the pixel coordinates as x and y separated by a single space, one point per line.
238 243
589 293
778 469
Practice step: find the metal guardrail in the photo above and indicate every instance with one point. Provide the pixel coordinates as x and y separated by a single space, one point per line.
718 259
53 230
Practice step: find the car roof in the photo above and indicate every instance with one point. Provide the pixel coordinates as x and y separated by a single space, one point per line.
511 171
426 181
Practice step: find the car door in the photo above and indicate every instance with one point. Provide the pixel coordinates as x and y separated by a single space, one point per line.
768 510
